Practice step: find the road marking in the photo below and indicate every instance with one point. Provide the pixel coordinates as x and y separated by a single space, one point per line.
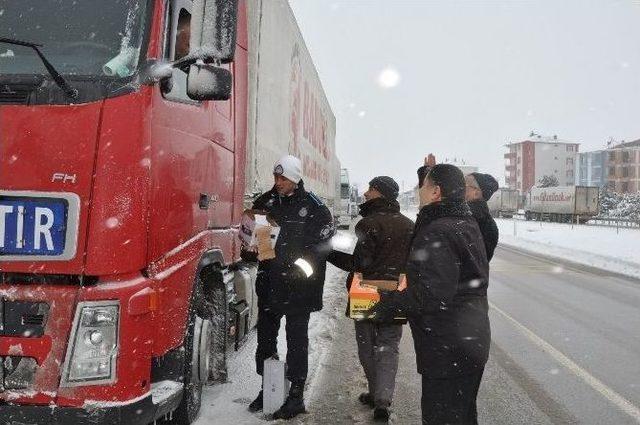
532 269
622 403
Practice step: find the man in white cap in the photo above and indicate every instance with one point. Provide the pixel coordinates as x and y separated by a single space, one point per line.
291 284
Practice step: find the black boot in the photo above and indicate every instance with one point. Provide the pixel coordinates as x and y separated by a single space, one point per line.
256 405
366 399
294 404
381 414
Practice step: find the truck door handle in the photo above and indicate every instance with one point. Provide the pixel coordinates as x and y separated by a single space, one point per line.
204 202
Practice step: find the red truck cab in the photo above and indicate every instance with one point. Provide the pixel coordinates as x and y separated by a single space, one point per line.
119 195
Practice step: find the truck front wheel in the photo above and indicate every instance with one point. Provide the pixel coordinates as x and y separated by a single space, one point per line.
197 363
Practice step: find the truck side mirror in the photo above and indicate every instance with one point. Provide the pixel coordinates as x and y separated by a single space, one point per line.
214 27
208 82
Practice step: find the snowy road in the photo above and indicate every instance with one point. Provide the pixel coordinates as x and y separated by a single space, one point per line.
565 351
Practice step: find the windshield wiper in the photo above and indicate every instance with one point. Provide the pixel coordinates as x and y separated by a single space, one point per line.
59 79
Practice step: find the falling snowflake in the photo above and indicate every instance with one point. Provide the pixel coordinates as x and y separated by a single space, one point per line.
388 78
112 222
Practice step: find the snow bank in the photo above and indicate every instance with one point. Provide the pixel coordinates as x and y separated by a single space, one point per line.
228 402
601 247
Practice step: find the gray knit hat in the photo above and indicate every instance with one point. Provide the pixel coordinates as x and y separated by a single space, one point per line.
386 186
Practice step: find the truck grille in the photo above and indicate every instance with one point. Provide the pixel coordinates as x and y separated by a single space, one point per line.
23 318
17 373
33 319
46 279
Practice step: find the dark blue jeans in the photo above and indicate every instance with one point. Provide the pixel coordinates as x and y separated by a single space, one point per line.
297 329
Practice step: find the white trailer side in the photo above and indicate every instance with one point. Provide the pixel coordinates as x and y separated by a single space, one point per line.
563 203
288 111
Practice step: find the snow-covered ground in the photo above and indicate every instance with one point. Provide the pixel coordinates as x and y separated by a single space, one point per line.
601 247
227 403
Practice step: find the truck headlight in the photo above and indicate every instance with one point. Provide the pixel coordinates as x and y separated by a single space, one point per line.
93 344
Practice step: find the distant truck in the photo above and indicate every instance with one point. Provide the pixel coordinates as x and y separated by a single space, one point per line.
348 201
504 203
562 204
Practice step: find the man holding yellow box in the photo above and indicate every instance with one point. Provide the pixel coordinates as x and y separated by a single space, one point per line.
384 235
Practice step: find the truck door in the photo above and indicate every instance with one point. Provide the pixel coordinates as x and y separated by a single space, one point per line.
192 150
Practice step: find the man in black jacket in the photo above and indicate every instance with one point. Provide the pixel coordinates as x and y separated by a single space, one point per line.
446 300
480 188
380 254
283 286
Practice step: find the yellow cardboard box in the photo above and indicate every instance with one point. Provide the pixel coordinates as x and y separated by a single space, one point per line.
363 294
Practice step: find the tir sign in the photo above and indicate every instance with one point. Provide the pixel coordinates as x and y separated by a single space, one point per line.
32 226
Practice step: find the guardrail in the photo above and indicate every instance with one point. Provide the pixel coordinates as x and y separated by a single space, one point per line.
614 222
618 223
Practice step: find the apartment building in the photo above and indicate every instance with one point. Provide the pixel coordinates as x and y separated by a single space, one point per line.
623 167
526 162
592 169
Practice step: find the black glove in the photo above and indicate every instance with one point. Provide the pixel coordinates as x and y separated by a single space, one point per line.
296 273
249 256
383 311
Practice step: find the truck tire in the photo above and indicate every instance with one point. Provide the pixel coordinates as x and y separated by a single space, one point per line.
212 303
197 347
219 309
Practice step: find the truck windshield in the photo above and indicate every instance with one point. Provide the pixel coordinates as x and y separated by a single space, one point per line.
80 37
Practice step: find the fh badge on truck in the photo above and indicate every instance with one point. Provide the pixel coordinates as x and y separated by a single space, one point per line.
62 177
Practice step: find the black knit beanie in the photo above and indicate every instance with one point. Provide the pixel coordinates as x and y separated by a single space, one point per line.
488 185
386 186
451 181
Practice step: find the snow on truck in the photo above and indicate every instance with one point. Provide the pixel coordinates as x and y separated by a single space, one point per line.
132 134
504 203
562 203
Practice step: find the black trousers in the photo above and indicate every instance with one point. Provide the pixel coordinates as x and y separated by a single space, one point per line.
297 329
450 401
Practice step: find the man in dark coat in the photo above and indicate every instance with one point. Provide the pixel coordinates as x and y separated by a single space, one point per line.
380 254
446 300
283 286
480 188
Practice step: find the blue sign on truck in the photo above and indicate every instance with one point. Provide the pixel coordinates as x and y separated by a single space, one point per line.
33 226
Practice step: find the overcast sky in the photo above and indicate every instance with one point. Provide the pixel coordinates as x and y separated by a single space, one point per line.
461 78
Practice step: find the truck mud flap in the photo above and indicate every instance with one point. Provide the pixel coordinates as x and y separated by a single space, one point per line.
239 318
